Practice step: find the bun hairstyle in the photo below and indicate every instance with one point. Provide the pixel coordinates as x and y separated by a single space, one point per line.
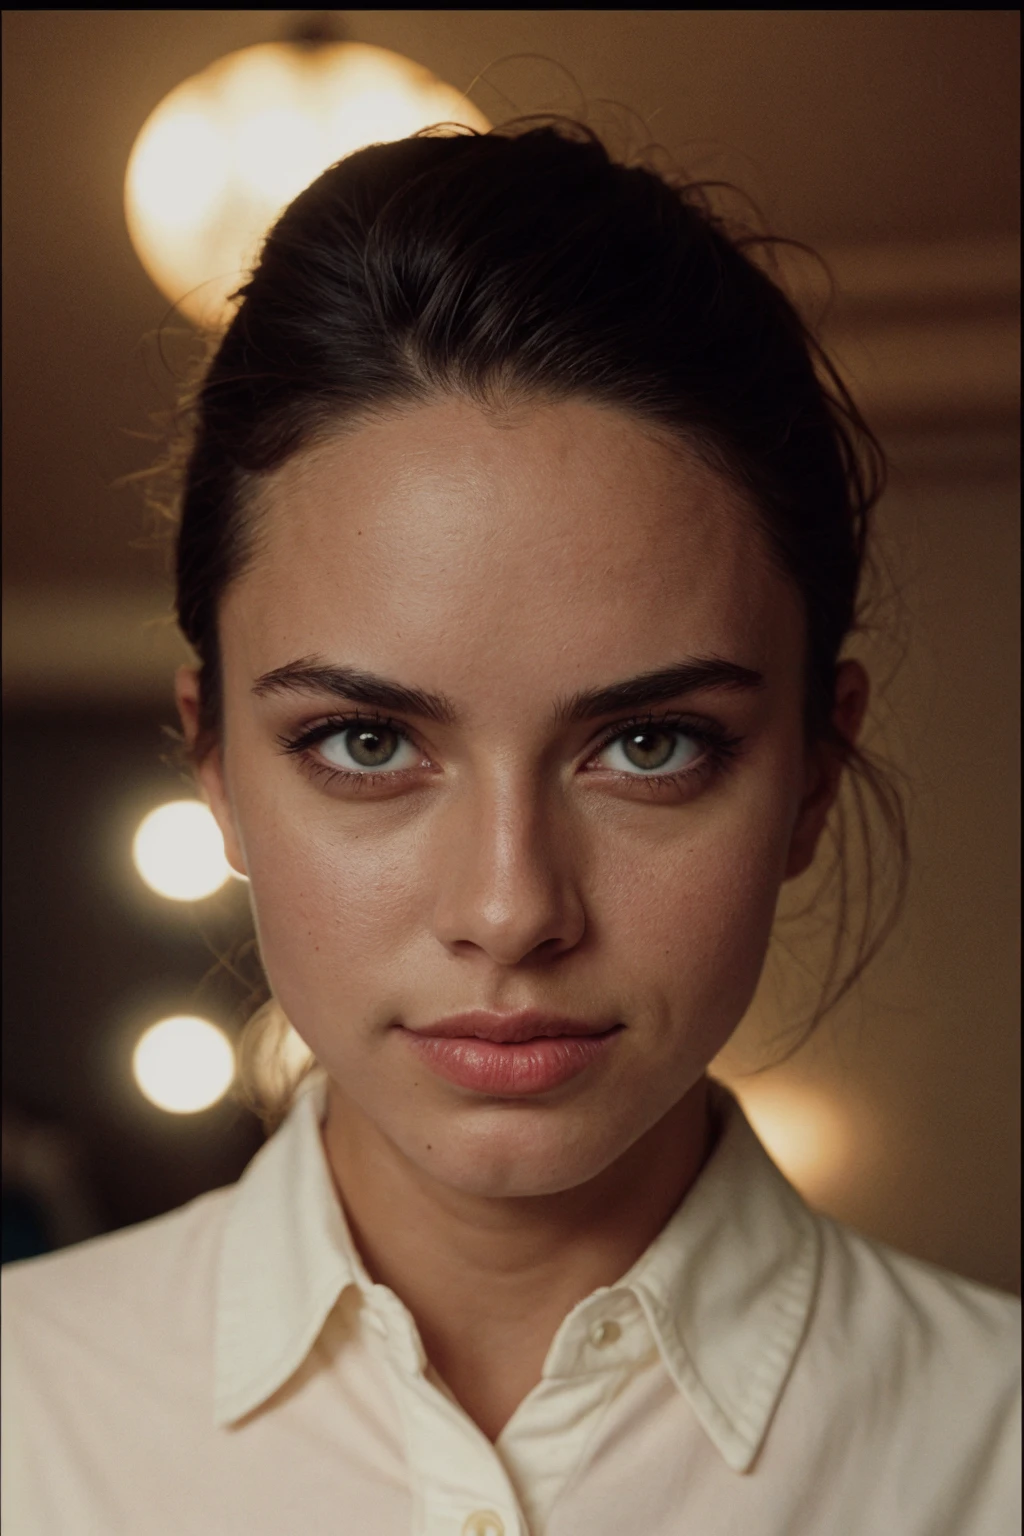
527 263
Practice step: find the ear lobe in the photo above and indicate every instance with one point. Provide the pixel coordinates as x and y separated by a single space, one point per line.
209 769
853 688
824 776
186 697
826 767
210 773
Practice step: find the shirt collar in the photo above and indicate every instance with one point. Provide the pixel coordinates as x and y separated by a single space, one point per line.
726 1286
286 1256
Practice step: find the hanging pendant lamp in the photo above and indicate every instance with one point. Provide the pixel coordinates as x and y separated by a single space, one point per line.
226 151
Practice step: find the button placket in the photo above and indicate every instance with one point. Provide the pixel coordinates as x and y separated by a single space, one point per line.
456 1473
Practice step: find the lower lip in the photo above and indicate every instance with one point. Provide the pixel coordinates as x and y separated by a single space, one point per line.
510 1071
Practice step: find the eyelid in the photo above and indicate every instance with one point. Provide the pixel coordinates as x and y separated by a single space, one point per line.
676 720
338 724
718 744
301 742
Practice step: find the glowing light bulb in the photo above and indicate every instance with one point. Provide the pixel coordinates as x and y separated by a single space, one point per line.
179 852
181 169
225 152
183 1064
277 152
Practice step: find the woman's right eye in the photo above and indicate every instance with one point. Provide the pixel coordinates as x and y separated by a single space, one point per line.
359 747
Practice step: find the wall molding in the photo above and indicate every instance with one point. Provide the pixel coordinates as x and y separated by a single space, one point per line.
924 335
104 645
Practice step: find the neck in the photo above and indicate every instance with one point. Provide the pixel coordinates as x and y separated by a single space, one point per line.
488 1281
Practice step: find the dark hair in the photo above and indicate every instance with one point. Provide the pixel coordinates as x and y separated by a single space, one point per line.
525 263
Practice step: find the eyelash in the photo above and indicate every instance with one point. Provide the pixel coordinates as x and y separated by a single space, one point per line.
720 747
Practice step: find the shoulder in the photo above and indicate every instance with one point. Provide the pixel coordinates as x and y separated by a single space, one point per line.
139 1288
928 1306
107 1362
900 1327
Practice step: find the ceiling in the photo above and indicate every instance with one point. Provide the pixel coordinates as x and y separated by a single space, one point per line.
852 129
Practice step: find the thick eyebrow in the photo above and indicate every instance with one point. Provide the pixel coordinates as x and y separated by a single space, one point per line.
313 675
697 672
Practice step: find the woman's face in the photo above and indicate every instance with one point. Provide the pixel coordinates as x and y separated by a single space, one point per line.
509 852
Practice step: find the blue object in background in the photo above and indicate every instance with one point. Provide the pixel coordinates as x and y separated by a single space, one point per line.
25 1228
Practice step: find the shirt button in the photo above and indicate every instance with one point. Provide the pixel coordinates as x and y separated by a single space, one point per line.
603 1334
483 1522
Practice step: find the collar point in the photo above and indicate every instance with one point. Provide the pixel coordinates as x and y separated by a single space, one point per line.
739 1454
232 1404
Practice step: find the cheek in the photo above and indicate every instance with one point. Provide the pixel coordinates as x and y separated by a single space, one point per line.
332 903
698 911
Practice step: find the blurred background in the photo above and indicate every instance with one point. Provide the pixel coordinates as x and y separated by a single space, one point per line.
888 140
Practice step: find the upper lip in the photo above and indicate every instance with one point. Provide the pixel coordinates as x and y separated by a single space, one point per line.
510 1028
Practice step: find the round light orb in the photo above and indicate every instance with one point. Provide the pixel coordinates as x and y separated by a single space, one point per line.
183 1064
179 852
228 149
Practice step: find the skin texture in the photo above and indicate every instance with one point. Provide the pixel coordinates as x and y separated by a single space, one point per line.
506 560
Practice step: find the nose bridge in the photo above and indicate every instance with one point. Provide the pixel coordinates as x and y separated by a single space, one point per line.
506 874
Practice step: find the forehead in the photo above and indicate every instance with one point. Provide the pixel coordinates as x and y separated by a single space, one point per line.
488 539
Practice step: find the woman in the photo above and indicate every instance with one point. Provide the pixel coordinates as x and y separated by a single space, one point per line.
520 539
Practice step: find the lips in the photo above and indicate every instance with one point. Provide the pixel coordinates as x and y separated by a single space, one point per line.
510 1055
511 1028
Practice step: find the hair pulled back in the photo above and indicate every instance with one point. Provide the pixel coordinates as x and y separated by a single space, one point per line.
528 263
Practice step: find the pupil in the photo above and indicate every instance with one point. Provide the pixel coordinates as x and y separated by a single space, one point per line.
635 744
367 744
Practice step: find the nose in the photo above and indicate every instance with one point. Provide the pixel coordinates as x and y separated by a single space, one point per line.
506 878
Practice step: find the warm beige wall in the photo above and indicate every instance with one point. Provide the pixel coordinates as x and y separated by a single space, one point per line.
902 1115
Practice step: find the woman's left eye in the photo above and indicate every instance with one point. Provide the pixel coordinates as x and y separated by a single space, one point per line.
653 750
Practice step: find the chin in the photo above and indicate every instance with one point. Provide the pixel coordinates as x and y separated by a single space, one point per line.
515 1158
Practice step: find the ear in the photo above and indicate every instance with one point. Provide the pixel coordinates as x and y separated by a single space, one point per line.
209 767
825 767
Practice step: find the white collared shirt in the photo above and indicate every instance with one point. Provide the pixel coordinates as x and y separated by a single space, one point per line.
231 1370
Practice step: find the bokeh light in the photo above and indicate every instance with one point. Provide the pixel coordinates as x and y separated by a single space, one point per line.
183 1064
179 852
225 152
